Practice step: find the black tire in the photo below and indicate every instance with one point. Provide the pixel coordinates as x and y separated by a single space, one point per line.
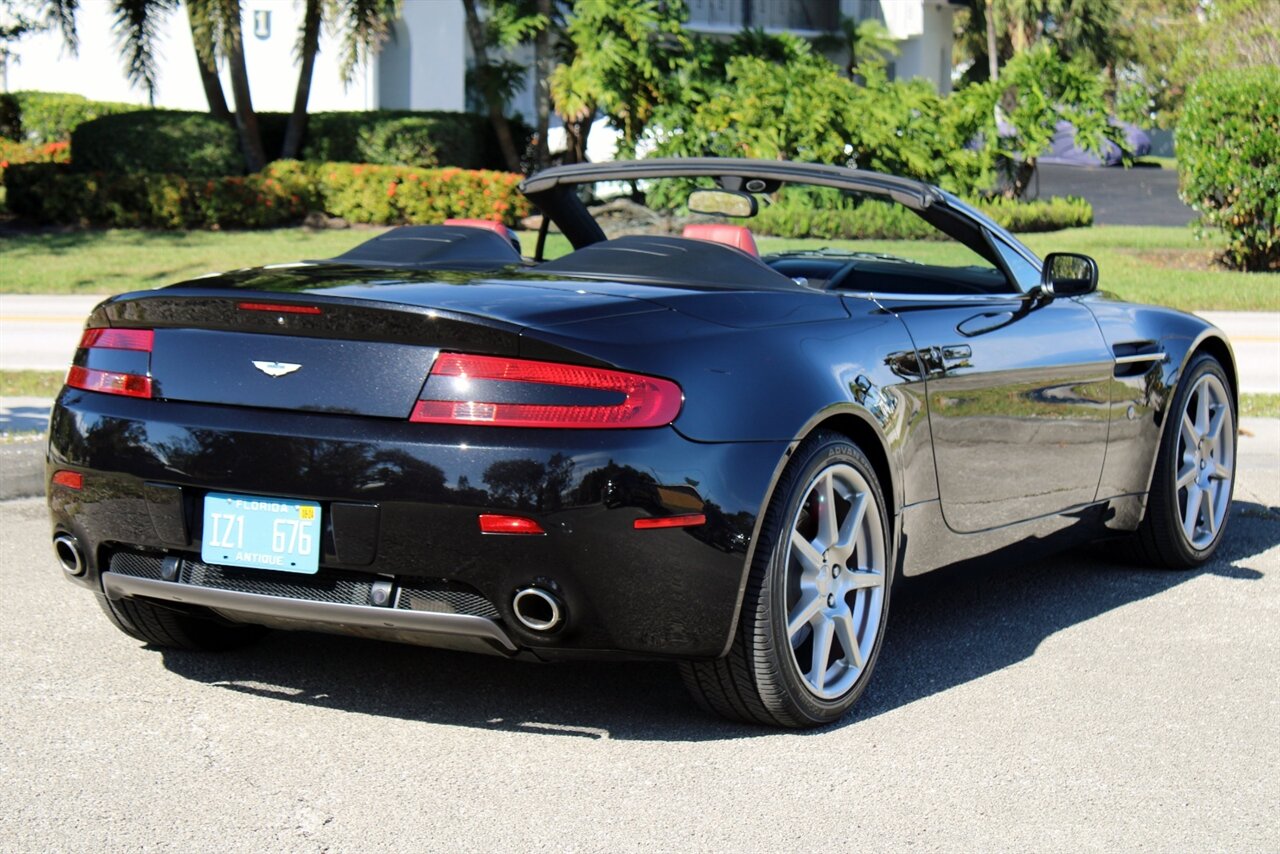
170 629
760 681
1161 540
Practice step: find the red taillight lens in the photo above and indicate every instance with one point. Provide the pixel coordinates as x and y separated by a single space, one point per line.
646 401
689 520
131 382
278 307
493 523
69 479
109 382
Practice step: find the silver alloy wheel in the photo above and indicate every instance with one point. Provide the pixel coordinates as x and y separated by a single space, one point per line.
835 580
1206 455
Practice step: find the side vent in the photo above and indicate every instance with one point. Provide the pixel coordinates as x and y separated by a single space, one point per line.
1135 358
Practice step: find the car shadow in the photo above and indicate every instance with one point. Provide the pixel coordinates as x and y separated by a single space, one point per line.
945 629
24 419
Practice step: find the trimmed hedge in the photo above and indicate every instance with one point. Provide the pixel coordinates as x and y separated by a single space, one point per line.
876 220
53 193
13 153
52 116
163 141
385 195
1229 161
279 195
10 118
464 140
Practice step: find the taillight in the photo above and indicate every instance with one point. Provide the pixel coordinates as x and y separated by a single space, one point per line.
101 366
503 392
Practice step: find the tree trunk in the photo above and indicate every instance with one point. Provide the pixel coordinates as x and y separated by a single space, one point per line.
209 78
255 157
310 47
479 47
993 56
544 63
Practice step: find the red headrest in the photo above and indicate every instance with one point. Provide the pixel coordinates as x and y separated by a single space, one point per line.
736 236
496 227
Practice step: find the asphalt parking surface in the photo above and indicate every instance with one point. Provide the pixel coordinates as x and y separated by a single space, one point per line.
1141 195
1073 704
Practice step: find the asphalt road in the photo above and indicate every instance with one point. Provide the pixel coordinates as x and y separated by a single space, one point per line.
1138 196
1074 704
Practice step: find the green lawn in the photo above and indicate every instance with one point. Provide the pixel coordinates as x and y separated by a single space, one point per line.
119 260
1146 264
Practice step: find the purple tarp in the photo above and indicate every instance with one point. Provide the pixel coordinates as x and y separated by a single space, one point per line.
1064 150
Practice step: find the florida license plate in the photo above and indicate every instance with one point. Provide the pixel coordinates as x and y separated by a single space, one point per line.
261 533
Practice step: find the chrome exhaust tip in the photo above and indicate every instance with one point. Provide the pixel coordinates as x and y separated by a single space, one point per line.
69 555
537 609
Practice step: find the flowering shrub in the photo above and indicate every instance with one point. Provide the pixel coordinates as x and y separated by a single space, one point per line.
386 195
279 195
24 152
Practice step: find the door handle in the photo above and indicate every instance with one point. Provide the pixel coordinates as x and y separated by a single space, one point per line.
955 356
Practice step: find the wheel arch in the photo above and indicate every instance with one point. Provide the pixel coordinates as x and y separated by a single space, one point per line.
1215 344
860 427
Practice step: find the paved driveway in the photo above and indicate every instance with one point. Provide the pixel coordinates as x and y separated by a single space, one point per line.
1138 196
1074 704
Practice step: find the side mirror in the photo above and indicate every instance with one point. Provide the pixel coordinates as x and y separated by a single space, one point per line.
1067 274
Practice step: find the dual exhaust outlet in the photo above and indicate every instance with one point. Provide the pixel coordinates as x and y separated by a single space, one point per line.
69 555
536 609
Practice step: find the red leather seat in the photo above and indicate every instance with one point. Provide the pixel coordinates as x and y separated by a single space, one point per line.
489 225
737 236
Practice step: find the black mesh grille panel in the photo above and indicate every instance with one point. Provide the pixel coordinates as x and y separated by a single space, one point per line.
441 597
314 588
446 600
138 566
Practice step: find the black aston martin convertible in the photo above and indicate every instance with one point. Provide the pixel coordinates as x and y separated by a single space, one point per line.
661 444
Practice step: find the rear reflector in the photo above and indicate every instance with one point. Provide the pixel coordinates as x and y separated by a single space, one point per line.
109 382
492 523
69 479
279 308
646 401
687 521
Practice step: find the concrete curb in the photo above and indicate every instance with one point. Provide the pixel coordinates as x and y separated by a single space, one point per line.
22 467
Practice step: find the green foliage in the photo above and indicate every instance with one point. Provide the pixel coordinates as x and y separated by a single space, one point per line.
458 139
12 153
10 117
408 142
1229 161
52 116
390 195
165 141
802 215
1052 214
1036 90
627 59
52 194
279 195
805 110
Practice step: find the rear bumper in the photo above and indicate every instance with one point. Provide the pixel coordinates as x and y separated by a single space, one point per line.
399 505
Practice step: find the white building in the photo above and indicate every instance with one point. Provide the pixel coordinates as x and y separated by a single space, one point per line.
424 66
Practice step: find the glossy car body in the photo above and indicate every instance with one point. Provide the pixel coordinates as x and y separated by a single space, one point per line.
1000 419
